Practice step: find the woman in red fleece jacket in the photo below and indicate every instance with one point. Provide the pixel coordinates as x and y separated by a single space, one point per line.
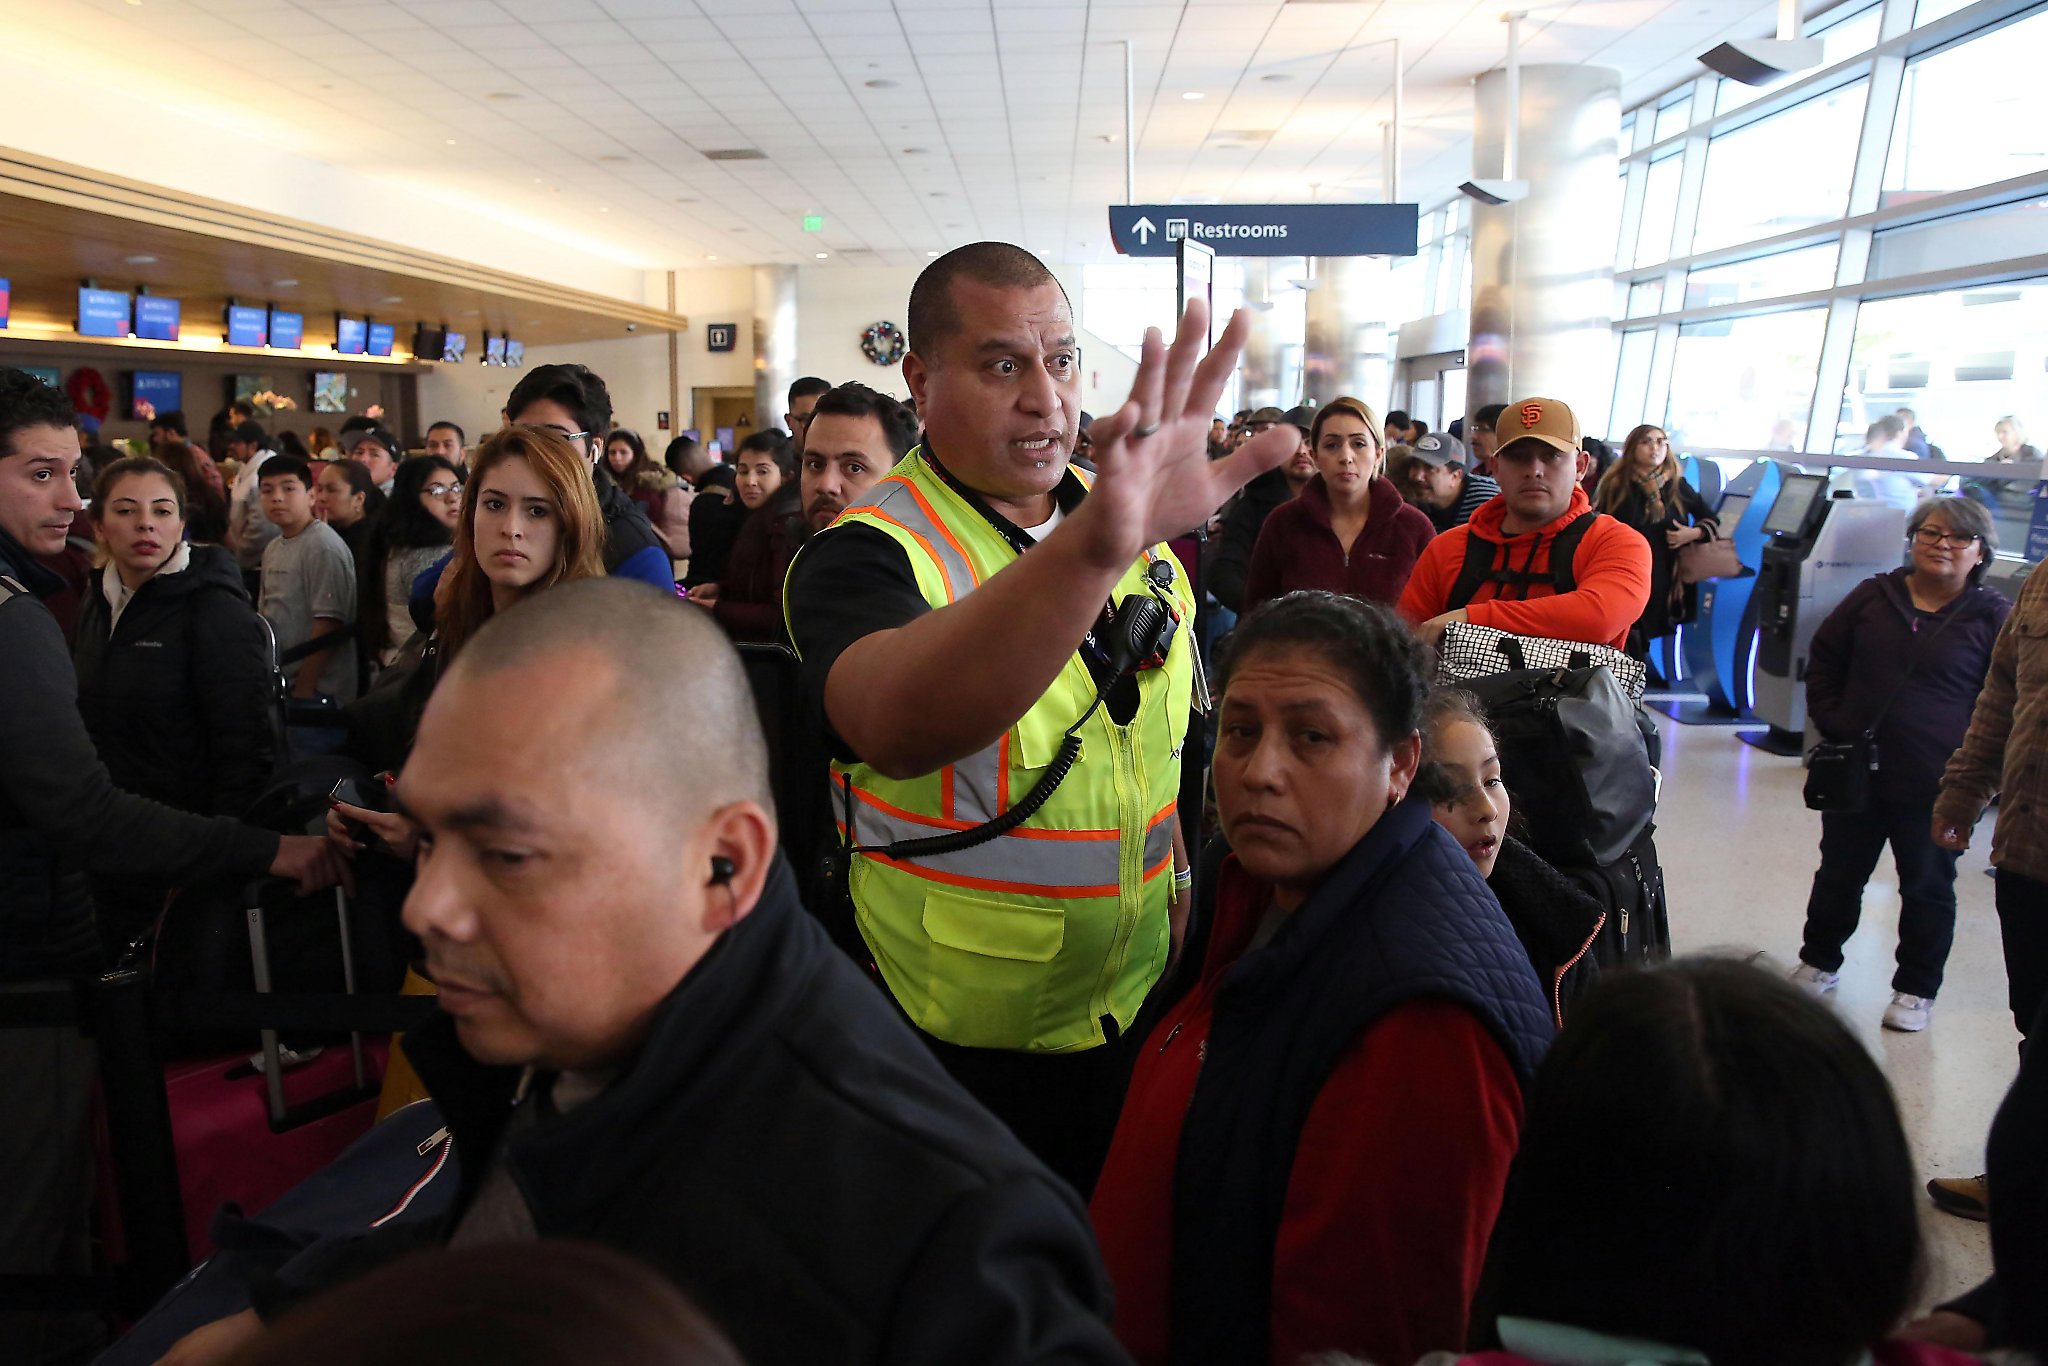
1349 531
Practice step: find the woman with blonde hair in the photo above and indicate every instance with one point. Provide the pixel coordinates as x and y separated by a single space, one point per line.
1645 489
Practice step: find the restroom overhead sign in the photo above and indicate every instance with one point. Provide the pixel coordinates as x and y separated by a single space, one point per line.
1266 229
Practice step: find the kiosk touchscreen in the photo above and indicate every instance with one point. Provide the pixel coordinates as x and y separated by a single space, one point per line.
1819 549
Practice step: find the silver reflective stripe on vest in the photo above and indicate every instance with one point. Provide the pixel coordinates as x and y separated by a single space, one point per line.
1087 866
897 501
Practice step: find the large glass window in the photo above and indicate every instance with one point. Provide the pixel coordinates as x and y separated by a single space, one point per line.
1971 114
1660 211
1783 172
1745 383
1762 277
1632 378
1674 115
1961 359
1646 298
1967 239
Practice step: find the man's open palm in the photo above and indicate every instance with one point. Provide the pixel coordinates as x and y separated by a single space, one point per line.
1154 477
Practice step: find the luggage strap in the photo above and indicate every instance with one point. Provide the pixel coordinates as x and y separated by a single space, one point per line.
1479 569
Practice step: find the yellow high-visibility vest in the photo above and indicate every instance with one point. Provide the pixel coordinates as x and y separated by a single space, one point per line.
1028 940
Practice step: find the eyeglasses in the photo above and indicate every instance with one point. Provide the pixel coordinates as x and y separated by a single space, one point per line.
1933 536
440 489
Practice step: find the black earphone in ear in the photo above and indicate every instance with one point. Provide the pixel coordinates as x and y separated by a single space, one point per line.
722 870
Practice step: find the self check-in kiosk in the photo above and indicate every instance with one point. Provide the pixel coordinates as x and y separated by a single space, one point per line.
1818 549
1719 644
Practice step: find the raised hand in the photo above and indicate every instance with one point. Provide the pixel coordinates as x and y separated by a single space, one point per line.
1154 477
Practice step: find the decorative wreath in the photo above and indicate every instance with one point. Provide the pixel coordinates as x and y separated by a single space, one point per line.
883 343
89 394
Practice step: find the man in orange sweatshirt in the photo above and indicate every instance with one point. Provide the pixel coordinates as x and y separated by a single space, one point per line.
1536 560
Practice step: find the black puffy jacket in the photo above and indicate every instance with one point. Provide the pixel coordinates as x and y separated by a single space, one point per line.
177 694
61 815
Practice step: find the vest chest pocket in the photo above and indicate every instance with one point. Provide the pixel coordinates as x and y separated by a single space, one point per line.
988 967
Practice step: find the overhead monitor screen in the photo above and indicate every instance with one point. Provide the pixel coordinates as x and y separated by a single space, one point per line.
156 319
102 313
515 352
287 330
1788 514
382 335
428 343
494 350
4 294
247 325
453 345
351 335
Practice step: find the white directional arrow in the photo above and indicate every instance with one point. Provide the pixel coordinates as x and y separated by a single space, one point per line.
1144 227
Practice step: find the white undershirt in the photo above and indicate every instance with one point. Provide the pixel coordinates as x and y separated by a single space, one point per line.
1044 528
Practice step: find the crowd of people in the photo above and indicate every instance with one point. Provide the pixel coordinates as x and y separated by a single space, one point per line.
1036 1068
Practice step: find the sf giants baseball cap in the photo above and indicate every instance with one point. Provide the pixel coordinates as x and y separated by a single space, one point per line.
1539 419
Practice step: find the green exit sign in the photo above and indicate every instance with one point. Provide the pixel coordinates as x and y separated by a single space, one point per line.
814 222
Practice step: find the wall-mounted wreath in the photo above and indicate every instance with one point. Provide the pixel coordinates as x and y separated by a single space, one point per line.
883 343
88 391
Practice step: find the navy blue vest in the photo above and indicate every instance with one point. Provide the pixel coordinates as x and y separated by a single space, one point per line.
1405 915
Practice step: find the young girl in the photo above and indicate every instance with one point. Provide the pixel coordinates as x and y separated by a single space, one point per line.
1555 920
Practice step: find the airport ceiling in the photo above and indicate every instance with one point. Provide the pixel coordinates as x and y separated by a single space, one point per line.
906 125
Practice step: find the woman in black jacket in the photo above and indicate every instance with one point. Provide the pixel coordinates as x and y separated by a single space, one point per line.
1645 489
174 678
1905 652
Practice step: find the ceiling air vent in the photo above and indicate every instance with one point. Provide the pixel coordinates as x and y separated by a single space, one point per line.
735 154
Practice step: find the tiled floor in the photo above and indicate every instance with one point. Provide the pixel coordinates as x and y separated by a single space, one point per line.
1739 849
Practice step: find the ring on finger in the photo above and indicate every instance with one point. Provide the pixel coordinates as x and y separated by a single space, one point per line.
1149 429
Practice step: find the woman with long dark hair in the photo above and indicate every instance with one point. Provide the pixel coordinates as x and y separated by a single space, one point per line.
1645 489
348 500
660 493
748 600
415 528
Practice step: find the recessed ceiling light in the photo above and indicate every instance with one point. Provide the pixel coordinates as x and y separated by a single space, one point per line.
914 151
1276 77
504 95
614 159
823 254
140 260
604 208
1191 94
881 84
449 141
472 312
938 194
931 253
685 199
391 299
710 256
284 284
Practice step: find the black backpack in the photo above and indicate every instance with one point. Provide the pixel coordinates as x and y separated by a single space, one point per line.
1631 890
1574 759
1479 568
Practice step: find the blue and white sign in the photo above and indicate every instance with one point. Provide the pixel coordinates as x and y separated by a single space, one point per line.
382 335
287 330
102 313
1266 229
156 319
247 325
156 391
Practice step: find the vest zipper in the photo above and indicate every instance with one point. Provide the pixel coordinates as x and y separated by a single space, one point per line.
1130 822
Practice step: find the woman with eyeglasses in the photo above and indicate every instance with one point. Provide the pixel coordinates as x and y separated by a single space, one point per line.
413 531
1905 652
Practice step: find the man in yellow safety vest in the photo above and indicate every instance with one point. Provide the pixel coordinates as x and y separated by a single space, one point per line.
1005 659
